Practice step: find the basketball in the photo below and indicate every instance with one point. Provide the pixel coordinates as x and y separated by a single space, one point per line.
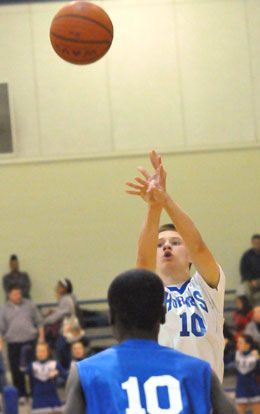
81 32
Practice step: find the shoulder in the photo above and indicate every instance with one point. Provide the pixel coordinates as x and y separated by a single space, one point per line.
186 360
247 253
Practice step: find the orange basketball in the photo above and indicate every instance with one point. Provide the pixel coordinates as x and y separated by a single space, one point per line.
81 32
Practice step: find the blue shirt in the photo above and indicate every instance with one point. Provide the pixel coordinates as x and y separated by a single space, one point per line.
142 377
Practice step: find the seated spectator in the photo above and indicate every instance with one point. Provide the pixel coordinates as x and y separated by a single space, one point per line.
253 328
250 268
65 312
17 278
242 314
78 351
44 371
247 365
20 326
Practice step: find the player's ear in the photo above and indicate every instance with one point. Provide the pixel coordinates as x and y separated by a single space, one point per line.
163 315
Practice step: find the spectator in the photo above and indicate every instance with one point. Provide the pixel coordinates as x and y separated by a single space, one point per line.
44 371
17 278
65 312
250 267
78 351
253 328
20 326
242 314
247 363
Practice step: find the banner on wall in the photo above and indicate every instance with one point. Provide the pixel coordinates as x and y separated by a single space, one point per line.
6 141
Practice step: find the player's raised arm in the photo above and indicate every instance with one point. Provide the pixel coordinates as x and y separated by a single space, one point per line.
200 254
154 195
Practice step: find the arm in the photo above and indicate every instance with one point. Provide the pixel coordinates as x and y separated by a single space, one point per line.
201 256
148 239
1 344
153 190
221 404
41 336
27 285
75 401
58 314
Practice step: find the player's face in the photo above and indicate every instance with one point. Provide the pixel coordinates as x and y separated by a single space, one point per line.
172 254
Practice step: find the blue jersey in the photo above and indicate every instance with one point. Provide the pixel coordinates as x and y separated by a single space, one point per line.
143 377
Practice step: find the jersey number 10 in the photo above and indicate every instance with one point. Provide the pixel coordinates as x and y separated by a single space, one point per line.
131 386
198 327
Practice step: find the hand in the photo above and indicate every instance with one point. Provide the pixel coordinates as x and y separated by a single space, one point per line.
255 283
153 188
255 353
53 374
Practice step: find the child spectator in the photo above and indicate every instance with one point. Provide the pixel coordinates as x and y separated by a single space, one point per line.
242 315
78 352
44 371
247 364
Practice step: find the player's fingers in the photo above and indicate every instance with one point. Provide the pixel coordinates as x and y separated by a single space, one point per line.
144 172
141 181
136 186
133 192
154 159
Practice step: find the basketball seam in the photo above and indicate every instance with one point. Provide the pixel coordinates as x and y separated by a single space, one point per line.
84 18
93 42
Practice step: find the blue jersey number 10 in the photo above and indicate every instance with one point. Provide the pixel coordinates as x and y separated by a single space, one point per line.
132 389
197 325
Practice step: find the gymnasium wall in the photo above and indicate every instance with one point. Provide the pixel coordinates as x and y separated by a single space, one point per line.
186 84
73 218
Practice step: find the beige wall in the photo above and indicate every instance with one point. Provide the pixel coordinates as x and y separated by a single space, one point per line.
73 219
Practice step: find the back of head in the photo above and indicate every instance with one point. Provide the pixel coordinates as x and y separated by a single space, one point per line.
136 299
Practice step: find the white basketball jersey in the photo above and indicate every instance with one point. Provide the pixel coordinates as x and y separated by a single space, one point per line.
194 320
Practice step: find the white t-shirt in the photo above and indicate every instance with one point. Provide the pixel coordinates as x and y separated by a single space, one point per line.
194 320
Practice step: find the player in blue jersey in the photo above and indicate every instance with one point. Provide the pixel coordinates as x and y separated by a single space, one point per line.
139 376
194 319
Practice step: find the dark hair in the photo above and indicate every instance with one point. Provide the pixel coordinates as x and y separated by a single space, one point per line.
255 236
249 340
66 283
13 287
166 227
136 298
246 305
13 257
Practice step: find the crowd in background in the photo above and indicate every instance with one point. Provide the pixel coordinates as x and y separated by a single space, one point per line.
43 347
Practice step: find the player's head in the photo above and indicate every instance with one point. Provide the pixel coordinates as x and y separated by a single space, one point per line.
136 302
255 241
173 259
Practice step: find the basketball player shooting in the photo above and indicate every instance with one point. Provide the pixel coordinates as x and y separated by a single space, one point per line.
194 319
139 376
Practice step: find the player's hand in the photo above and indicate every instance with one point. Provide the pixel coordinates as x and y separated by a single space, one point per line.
255 353
152 188
53 374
